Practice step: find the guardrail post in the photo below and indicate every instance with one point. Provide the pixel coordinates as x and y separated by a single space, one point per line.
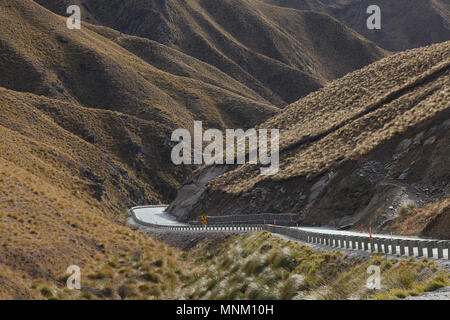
366 244
386 243
372 245
361 241
354 241
430 246
420 248
440 246
379 243
410 248
402 247
394 246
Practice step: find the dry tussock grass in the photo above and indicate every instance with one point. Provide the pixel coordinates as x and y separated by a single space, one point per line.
354 115
260 266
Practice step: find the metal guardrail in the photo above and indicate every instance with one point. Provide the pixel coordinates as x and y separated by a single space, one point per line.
401 247
215 227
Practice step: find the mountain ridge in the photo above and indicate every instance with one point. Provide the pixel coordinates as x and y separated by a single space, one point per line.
322 142
260 60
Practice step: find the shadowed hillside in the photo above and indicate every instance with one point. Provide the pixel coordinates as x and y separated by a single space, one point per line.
85 123
40 55
281 54
405 24
362 149
66 174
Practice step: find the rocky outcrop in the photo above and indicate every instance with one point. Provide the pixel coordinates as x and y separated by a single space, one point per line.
192 190
364 149
371 190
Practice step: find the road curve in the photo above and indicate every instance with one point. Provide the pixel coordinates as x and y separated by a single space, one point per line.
155 217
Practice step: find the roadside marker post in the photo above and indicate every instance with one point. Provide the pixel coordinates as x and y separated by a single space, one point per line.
407 228
370 232
361 228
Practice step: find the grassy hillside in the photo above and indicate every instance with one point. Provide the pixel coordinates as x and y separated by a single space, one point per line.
371 140
117 158
85 123
279 53
267 267
60 197
40 55
123 94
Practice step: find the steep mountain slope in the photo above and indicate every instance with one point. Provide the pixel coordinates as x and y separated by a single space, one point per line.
113 157
354 151
85 121
60 197
405 24
87 137
281 54
42 56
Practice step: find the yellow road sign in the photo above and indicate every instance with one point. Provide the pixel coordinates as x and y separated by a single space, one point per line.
204 218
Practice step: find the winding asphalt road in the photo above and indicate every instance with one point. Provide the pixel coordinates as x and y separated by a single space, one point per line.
157 215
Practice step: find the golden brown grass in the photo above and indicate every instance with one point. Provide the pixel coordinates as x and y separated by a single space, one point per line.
261 266
43 57
430 220
354 115
45 228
